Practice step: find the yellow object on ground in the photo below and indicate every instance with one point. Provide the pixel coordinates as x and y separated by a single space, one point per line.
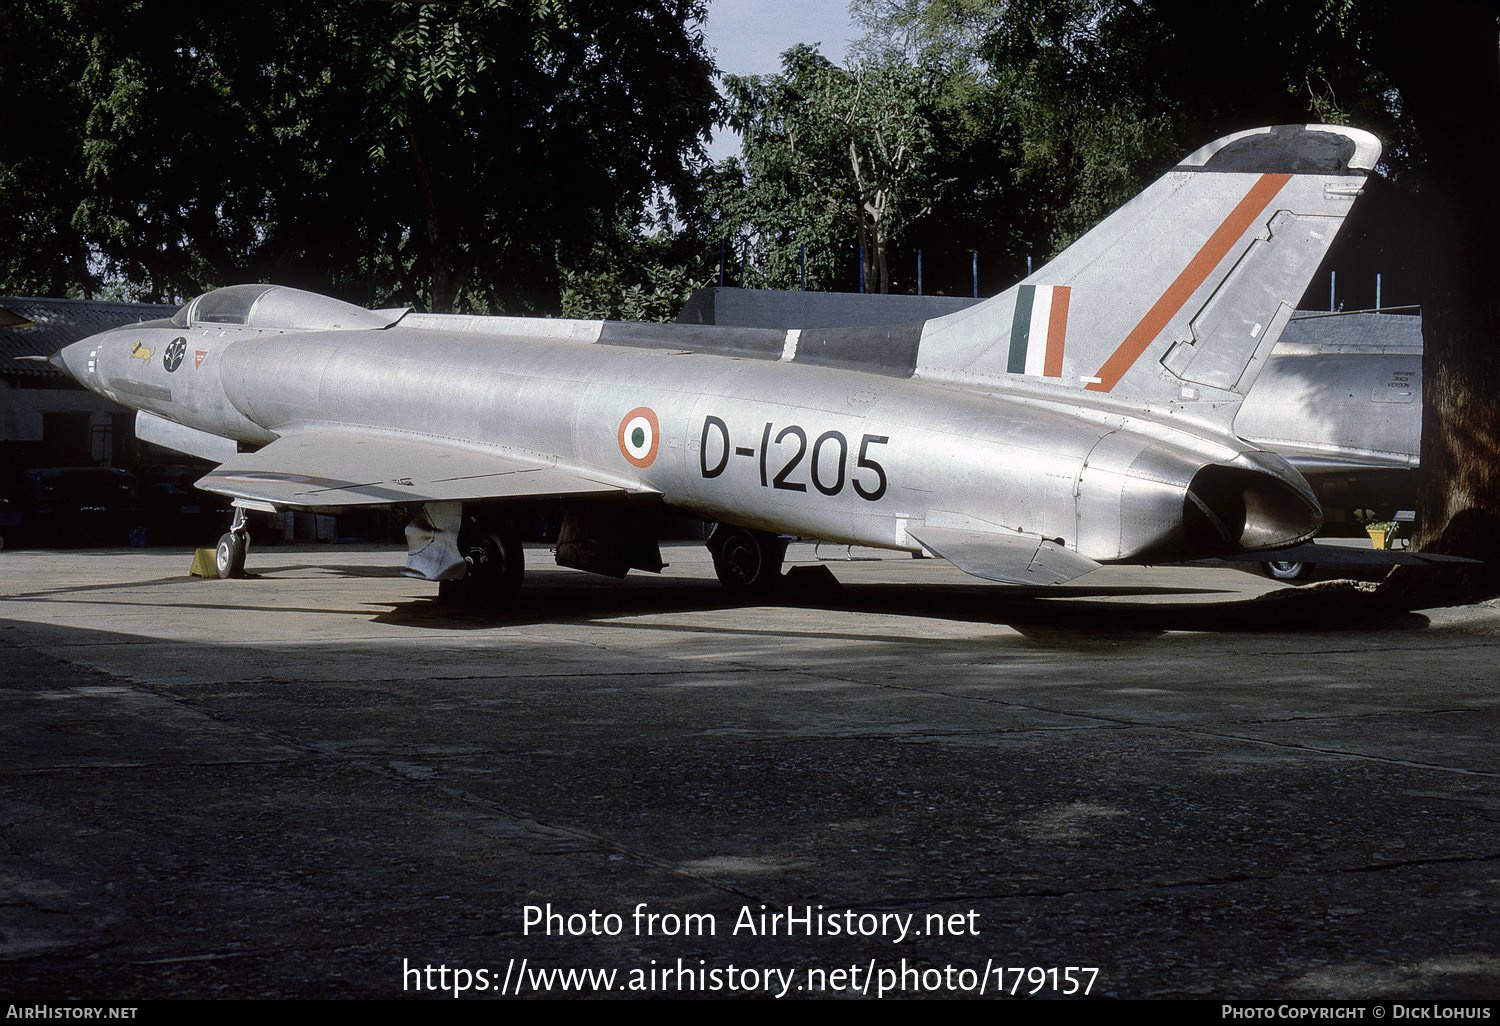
204 564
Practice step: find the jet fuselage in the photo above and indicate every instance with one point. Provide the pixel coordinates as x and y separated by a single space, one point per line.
814 451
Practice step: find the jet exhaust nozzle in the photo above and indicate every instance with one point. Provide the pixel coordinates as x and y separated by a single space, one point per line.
1234 509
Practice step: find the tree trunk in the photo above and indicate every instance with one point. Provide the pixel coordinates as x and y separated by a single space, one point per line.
443 274
863 242
1457 114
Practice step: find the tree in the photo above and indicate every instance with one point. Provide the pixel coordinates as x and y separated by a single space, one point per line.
832 153
1454 114
216 146
636 273
978 202
1108 94
40 153
452 154
526 129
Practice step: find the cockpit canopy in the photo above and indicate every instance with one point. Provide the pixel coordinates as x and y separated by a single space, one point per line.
279 307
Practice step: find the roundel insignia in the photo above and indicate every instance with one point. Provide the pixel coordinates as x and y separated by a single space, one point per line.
639 435
172 358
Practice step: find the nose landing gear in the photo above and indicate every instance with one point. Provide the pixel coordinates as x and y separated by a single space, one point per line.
229 556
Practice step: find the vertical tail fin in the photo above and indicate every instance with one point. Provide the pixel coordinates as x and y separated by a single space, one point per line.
1182 290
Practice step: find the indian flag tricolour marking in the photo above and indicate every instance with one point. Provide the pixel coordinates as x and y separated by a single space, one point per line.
1038 329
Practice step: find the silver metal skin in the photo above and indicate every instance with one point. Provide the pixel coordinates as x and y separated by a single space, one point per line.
1343 395
960 436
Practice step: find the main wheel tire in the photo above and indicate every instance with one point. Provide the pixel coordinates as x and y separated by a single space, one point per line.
746 561
1291 571
229 556
496 566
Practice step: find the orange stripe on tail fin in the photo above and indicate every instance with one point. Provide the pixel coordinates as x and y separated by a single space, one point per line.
1057 330
1193 275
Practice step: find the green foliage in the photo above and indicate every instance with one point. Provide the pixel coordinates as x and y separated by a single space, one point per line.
655 292
483 154
1085 101
834 158
201 161
635 275
527 128
40 152
1107 94
448 155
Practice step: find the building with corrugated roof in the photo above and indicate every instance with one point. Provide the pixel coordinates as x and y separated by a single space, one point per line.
46 418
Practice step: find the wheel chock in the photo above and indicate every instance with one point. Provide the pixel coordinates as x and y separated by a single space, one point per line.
204 565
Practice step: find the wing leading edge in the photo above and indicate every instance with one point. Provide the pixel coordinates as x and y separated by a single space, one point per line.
331 468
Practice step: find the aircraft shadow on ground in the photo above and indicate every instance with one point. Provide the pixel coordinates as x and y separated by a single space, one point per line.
324 570
1048 615
1055 616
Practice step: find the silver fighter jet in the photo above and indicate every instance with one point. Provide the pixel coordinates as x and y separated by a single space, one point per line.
1084 416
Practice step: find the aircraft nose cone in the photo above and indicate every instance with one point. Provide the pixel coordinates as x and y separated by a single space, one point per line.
72 360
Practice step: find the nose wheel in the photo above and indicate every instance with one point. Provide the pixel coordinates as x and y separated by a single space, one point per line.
229 556
747 562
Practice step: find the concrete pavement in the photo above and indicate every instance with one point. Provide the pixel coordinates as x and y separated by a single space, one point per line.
287 785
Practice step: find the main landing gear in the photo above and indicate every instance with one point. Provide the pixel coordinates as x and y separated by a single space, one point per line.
748 562
229 557
495 565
